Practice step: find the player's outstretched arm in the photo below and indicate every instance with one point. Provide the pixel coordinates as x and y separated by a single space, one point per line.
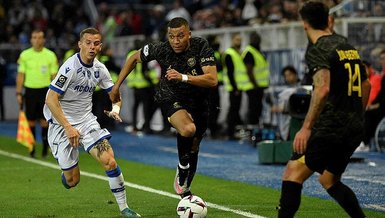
127 68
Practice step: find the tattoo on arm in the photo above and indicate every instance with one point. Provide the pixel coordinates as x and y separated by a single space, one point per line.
102 146
321 82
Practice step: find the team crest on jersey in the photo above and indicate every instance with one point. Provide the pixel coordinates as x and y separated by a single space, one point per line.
61 81
96 74
191 62
177 105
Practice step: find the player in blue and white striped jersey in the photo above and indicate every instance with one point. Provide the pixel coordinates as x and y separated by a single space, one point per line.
71 123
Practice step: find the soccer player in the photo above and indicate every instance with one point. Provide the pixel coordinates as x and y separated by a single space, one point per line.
71 122
333 126
37 67
188 71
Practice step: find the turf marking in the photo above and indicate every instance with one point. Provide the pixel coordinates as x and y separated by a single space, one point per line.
376 207
359 179
175 151
129 184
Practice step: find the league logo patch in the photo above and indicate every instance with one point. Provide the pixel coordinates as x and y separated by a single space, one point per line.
61 81
145 50
191 62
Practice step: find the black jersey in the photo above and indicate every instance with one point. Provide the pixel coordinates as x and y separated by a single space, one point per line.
189 62
346 71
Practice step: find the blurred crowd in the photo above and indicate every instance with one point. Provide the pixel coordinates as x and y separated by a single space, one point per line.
62 20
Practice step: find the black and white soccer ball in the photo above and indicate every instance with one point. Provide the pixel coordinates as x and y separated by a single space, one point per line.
191 206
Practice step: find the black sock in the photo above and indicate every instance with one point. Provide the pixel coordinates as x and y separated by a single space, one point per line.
44 132
184 145
290 199
193 167
346 199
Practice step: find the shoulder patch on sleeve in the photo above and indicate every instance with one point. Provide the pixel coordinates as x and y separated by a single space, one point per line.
61 81
145 50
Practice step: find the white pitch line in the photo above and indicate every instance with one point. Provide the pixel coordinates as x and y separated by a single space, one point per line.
376 207
380 182
129 184
175 151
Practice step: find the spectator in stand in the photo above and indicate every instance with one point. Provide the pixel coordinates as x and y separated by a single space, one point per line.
178 10
275 13
129 23
375 81
290 10
375 111
292 84
17 15
155 24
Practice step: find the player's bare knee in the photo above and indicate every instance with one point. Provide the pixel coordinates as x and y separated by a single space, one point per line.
326 181
293 172
188 130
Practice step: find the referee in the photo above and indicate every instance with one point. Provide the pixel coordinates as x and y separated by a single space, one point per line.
37 66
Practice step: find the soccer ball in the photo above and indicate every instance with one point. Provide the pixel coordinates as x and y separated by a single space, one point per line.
191 206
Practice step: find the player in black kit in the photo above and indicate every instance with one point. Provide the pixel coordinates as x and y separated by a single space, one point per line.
188 71
333 127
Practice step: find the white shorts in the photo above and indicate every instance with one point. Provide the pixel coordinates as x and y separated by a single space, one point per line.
68 156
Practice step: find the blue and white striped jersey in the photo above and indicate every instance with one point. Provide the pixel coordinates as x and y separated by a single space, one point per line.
76 82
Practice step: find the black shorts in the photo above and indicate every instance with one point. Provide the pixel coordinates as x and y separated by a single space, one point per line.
332 142
199 114
34 102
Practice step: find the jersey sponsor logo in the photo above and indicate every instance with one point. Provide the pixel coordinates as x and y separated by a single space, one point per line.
207 59
79 70
67 70
96 74
61 81
191 62
177 105
145 50
81 88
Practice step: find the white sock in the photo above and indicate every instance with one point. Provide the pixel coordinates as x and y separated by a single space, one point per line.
116 181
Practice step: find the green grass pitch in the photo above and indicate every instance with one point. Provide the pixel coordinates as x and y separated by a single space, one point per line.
30 189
